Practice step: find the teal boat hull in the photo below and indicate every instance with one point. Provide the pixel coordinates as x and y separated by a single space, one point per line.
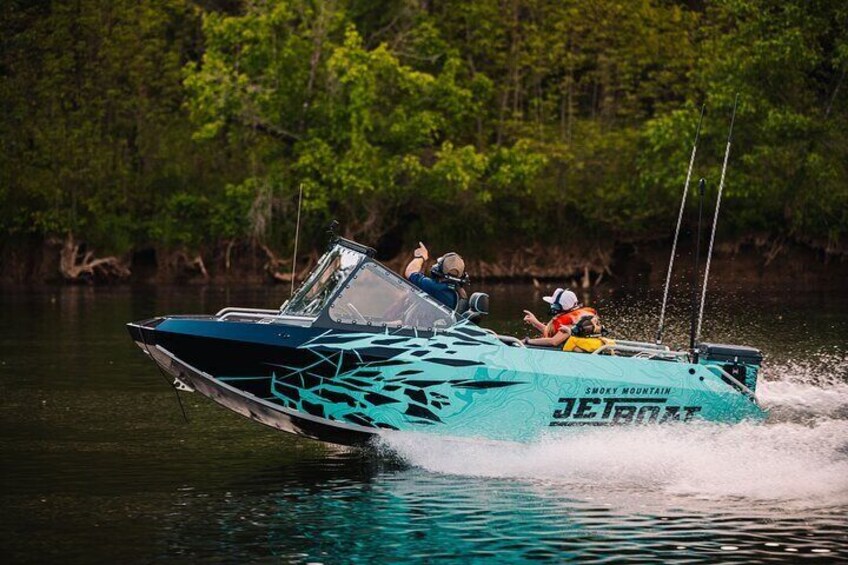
347 387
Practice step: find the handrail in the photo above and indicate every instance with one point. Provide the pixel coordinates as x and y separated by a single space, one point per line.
742 385
648 352
258 315
276 316
251 310
643 344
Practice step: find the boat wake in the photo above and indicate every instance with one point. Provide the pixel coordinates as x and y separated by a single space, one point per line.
800 390
800 456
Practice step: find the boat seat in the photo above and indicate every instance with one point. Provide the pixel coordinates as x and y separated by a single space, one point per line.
478 306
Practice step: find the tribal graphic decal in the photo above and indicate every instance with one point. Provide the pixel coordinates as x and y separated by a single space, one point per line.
386 380
465 382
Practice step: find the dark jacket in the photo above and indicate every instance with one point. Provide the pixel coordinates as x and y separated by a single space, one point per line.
442 292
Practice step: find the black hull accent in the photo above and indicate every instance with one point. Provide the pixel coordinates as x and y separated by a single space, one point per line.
261 411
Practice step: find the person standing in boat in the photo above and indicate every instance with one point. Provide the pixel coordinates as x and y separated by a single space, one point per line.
447 277
566 311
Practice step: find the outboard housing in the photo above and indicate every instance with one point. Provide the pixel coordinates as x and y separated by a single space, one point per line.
740 362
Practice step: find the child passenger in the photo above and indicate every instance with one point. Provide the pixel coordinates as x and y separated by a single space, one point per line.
565 311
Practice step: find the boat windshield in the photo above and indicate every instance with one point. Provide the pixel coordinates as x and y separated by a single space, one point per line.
375 296
332 270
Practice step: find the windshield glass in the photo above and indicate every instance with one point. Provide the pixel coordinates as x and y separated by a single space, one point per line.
377 297
333 268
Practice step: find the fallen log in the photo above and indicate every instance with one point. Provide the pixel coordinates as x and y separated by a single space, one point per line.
78 265
280 269
182 265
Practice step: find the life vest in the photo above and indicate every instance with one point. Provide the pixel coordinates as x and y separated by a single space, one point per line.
586 344
567 319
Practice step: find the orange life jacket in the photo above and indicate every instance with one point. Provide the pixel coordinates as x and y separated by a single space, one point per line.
567 319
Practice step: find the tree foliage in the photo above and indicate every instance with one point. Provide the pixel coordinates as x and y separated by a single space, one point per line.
477 124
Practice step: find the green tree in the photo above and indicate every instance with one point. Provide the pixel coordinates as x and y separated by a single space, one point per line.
363 132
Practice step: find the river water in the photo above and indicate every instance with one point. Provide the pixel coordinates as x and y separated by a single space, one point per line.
99 466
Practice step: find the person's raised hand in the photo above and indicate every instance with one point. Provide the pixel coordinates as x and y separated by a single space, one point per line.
421 252
530 318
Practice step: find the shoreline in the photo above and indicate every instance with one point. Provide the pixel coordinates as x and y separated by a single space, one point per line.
644 264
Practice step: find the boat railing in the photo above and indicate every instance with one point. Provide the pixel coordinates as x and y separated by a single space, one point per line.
642 344
736 382
642 350
261 315
247 316
236 310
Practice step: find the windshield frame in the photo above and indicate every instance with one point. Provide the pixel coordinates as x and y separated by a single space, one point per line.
314 278
321 317
327 319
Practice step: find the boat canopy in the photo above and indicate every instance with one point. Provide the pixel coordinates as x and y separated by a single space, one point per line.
354 289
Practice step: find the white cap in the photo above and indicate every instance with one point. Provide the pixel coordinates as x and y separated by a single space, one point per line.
565 298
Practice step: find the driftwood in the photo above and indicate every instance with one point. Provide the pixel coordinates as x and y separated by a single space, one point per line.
540 262
280 269
774 250
228 253
770 247
182 263
82 266
536 263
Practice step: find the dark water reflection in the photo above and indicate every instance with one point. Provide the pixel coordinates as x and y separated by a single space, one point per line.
98 465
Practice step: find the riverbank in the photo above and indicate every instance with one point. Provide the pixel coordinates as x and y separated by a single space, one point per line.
742 264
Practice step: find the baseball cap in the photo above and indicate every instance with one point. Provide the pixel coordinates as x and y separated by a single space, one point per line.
565 298
453 265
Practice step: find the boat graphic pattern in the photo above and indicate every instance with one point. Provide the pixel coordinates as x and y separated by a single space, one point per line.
463 382
387 381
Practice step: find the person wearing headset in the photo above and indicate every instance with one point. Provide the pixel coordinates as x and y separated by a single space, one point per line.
566 311
447 277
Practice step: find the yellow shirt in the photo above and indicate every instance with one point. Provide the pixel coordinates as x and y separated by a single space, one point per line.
585 344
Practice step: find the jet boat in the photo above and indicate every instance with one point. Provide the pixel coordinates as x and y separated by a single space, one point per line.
359 352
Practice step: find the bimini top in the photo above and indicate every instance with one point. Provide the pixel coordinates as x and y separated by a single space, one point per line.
348 288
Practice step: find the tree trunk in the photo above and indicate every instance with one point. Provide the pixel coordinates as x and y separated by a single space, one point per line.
77 266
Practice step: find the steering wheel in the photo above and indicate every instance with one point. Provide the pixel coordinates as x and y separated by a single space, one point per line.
355 311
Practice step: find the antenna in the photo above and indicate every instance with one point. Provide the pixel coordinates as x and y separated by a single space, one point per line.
679 222
702 187
296 234
331 231
715 218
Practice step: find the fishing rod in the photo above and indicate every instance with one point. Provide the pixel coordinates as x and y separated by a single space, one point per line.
296 234
679 223
702 187
715 218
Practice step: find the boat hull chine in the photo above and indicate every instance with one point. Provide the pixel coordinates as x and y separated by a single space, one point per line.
259 410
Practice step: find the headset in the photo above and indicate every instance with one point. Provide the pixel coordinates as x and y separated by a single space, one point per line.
437 272
556 307
589 326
